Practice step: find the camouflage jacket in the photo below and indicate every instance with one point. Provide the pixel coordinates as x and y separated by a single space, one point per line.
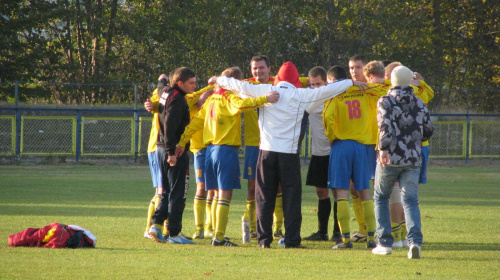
403 122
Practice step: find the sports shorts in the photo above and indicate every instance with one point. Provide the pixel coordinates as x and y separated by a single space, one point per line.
317 174
348 160
251 155
199 165
222 168
154 167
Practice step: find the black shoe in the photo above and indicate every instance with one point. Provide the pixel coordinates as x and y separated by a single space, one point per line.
371 244
336 237
342 245
317 237
225 242
295 247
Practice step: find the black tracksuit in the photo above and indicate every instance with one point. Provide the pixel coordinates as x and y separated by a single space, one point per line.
173 113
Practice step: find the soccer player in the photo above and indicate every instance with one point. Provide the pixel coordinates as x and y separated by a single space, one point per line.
154 165
404 122
260 68
220 122
173 115
347 125
356 65
279 162
317 174
425 93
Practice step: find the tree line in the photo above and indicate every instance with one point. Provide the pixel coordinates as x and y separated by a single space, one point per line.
453 44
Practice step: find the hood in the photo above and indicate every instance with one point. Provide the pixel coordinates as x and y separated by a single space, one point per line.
403 95
288 73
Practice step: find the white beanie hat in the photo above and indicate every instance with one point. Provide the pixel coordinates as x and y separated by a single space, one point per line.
401 76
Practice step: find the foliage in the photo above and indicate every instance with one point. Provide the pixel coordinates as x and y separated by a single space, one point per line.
453 45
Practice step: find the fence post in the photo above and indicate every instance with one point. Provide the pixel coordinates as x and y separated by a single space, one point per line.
78 134
467 127
18 123
136 117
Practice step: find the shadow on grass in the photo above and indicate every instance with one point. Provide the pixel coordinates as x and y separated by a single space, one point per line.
456 246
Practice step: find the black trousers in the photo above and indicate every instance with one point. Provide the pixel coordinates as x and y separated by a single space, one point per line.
175 181
274 169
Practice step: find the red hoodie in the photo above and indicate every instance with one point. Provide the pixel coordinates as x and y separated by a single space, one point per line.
288 73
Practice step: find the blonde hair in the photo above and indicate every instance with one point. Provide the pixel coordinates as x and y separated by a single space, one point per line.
233 72
376 68
391 66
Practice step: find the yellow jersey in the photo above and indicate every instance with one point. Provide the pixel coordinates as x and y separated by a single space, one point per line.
197 143
219 118
351 115
153 135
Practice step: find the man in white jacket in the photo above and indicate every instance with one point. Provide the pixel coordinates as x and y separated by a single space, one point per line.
279 161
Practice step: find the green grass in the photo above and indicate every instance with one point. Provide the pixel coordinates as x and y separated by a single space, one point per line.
460 215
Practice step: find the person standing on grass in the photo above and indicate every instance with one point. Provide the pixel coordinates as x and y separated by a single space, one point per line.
154 165
173 118
220 121
404 122
279 162
317 174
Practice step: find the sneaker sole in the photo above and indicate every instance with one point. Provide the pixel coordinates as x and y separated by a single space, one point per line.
415 254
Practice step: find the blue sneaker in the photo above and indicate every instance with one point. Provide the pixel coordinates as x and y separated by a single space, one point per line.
179 239
156 234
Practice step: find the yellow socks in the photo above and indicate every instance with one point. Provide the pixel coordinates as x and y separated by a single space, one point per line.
251 215
214 212
278 212
396 231
222 215
404 232
358 212
151 212
343 217
200 203
208 216
369 215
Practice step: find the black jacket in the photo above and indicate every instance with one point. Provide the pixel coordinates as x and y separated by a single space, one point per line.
173 114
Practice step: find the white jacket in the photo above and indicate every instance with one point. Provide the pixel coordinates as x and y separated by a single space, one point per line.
279 122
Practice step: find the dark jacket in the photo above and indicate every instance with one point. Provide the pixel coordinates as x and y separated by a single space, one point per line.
404 122
173 114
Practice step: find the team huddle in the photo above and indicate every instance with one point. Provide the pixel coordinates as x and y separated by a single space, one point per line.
374 126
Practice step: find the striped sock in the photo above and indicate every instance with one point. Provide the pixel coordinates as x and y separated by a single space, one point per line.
343 217
251 215
213 212
199 206
396 231
369 215
222 218
278 212
358 212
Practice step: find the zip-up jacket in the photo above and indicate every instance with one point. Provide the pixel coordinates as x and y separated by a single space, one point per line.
173 118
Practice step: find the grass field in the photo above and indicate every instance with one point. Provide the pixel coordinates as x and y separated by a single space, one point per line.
460 209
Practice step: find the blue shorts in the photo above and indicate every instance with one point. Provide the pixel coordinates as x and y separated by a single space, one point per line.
251 155
348 160
154 167
222 168
372 160
199 165
423 167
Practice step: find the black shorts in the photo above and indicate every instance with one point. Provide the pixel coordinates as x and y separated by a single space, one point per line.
317 175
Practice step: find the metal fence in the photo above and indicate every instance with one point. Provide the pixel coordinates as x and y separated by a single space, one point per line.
100 132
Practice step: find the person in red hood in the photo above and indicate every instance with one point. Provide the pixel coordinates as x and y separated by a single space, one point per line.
279 161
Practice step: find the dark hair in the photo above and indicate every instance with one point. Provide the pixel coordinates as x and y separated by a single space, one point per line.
337 72
261 57
359 57
317 71
181 74
386 62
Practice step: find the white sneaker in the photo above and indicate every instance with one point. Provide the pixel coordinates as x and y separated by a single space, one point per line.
147 235
405 243
398 244
414 252
358 237
281 242
381 250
